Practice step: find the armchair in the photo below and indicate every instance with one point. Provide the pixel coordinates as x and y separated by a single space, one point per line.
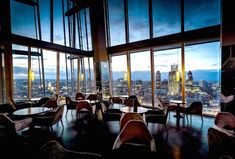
70 105
19 105
13 126
110 114
49 118
129 116
83 107
79 96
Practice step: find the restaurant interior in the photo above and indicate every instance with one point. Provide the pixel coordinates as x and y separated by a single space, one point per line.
101 79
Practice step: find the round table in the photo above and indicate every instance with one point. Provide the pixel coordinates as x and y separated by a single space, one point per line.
31 111
140 110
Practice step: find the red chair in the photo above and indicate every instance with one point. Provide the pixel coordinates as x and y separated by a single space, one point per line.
129 116
80 96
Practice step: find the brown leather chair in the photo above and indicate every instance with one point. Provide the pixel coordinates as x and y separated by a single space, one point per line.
19 105
41 102
132 102
129 116
83 107
117 100
135 130
195 108
14 126
79 96
92 98
225 120
51 103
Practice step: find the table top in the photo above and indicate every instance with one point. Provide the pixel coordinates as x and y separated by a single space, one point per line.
127 109
30 111
177 101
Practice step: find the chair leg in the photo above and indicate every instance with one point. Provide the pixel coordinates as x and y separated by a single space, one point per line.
66 112
187 118
62 123
202 118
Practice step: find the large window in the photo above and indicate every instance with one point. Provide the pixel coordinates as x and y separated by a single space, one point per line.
201 13
45 19
167 72
166 17
58 22
20 74
138 14
50 72
63 75
116 22
141 84
22 19
202 71
119 75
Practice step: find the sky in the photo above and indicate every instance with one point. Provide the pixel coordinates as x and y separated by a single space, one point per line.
166 20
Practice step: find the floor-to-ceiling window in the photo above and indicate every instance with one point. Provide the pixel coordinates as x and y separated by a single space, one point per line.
141 84
20 73
202 71
119 75
167 71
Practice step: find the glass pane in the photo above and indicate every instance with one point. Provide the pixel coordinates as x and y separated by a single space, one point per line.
119 75
201 13
20 74
166 17
36 76
22 19
63 81
44 7
88 23
138 20
116 22
167 74
141 85
202 71
2 73
58 23
93 83
50 72
105 80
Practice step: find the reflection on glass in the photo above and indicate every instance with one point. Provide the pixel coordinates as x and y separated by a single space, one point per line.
202 75
119 75
141 85
167 72
44 7
201 13
58 23
138 20
116 22
166 17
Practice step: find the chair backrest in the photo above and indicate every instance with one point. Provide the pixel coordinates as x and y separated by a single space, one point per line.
42 101
223 119
194 108
51 103
68 100
59 114
137 130
157 116
7 122
110 114
117 100
79 96
12 103
129 116
84 105
92 97
132 102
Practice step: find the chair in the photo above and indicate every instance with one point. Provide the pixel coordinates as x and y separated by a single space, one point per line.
19 105
54 150
6 108
13 126
221 137
131 97
195 108
116 100
51 103
92 98
41 102
79 96
157 116
110 114
132 102
83 107
129 116
135 133
49 118
70 105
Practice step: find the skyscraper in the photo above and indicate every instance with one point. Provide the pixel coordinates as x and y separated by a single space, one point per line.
174 82
158 80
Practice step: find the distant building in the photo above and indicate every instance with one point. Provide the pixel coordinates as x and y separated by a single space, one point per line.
158 80
174 82
189 80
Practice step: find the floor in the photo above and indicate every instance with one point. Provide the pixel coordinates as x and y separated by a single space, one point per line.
182 142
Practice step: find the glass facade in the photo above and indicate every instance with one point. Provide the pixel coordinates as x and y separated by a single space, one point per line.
141 77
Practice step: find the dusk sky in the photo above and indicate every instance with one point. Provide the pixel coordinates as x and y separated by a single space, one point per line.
166 20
